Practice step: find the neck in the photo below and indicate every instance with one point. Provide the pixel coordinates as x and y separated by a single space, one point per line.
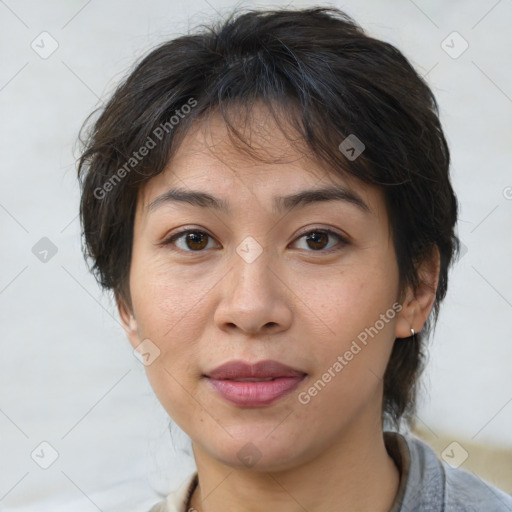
355 474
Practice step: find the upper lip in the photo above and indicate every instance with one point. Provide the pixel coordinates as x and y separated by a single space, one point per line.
238 369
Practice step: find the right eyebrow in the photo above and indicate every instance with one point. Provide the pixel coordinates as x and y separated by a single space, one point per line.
195 198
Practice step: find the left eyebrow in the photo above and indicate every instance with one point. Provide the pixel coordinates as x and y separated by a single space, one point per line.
281 204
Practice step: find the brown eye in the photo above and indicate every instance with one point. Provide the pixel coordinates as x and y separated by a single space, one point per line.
189 241
196 240
317 240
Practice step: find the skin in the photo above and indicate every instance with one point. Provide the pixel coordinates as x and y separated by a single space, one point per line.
297 303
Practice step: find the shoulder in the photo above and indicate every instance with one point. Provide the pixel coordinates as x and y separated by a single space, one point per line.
455 489
464 488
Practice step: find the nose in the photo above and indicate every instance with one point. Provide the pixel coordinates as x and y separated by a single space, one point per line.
254 298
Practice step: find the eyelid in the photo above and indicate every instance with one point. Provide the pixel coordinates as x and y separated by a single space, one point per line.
169 239
343 240
329 231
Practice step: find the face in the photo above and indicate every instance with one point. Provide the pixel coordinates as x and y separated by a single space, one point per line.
256 277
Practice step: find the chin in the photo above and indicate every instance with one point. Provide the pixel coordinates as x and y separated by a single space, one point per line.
259 455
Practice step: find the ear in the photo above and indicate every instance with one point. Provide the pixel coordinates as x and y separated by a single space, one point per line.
418 302
128 322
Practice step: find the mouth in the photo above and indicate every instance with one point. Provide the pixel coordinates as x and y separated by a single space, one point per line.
254 385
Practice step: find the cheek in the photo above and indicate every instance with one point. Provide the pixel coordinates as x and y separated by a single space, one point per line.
169 313
344 304
357 324
168 302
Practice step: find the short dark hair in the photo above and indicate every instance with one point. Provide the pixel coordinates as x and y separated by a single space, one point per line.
318 72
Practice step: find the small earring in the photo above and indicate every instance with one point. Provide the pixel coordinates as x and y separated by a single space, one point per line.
412 330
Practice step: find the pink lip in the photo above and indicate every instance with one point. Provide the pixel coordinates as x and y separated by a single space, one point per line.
254 393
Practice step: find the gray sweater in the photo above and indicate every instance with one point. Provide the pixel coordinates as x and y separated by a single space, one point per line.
426 484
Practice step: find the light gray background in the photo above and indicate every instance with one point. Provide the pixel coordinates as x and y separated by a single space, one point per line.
67 373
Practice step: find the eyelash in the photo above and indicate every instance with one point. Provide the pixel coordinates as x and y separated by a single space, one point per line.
341 240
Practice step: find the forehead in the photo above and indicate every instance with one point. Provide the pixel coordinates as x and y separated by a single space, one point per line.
271 160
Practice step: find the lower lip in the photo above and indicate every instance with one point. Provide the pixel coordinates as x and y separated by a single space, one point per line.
255 393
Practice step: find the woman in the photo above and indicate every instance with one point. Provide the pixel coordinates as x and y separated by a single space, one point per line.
269 200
